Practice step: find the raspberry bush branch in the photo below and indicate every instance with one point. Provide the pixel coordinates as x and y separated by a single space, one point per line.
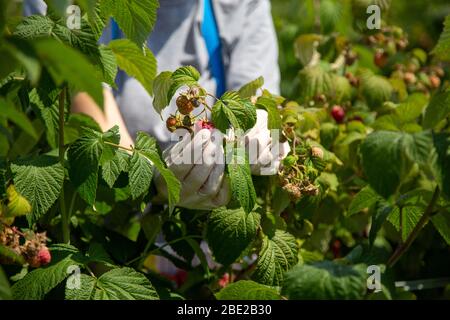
403 247
65 218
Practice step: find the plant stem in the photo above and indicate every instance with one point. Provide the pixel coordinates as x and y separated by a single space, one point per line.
62 204
118 146
212 96
401 224
402 248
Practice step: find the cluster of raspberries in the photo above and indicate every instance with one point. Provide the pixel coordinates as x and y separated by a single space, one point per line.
30 245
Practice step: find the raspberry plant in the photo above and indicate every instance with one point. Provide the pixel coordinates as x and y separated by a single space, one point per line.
366 182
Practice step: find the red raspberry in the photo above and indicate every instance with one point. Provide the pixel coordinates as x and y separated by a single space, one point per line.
224 281
435 82
185 106
336 248
381 59
338 114
202 124
44 256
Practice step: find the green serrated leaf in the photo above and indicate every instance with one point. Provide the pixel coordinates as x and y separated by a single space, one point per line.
184 76
379 217
441 222
40 181
412 108
121 284
325 280
108 64
438 109
161 87
388 156
277 255
376 90
363 199
230 232
136 62
305 47
314 81
112 168
342 88
140 174
442 49
17 205
232 110
135 18
410 217
84 292
249 89
84 157
247 290
241 183
37 283
146 147
65 64
271 106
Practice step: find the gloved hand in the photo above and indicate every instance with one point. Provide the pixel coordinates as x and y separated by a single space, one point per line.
265 151
199 163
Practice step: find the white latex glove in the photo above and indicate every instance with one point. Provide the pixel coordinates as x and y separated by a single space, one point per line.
265 151
198 162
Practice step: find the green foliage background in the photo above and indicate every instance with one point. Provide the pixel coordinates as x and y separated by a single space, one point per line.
371 188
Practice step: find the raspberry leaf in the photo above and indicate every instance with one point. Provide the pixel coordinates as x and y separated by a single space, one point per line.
242 188
112 168
230 232
314 81
247 290
232 110
270 105
442 49
135 18
146 155
85 156
36 284
184 76
363 199
277 255
325 280
438 109
40 181
388 156
249 89
117 284
376 90
161 87
136 62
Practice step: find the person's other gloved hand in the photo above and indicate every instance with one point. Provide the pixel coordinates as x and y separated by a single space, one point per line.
199 163
265 151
